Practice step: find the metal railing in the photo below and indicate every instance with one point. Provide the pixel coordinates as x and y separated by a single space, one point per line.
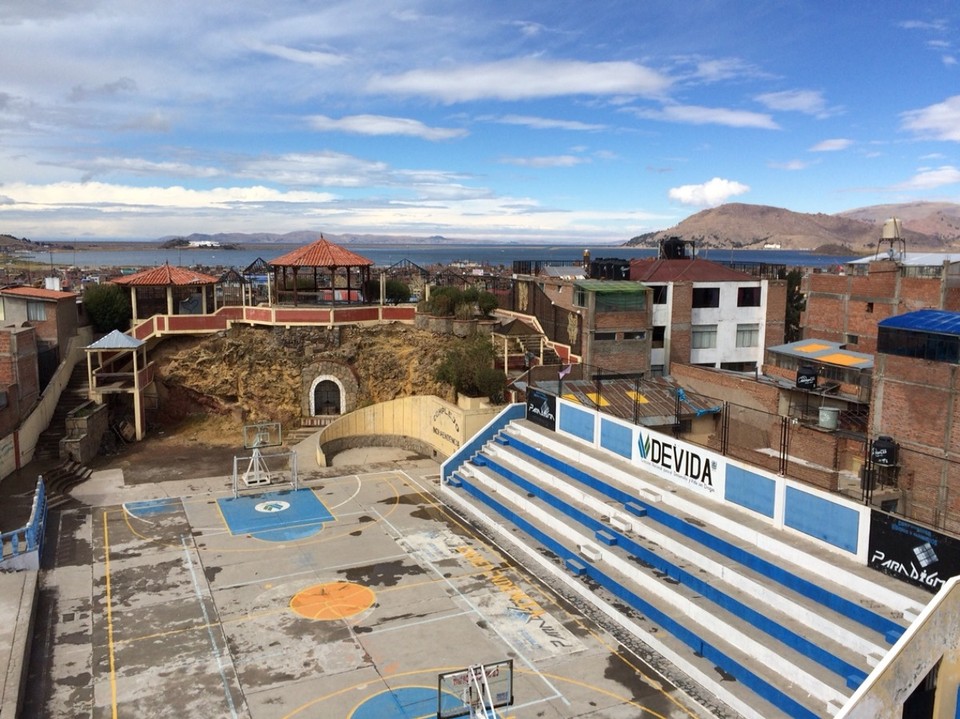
21 548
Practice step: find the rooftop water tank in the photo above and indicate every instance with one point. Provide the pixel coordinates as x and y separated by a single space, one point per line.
806 378
892 229
829 417
883 451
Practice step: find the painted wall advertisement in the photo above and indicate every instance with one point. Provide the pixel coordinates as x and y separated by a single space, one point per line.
542 409
681 462
912 553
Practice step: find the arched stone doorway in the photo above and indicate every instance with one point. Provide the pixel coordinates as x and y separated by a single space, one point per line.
326 396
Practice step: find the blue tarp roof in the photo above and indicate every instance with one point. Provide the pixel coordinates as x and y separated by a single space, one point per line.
939 321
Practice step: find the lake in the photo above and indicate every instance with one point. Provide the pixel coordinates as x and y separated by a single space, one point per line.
384 255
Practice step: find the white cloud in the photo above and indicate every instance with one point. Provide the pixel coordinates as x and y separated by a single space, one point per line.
696 115
809 102
932 178
523 79
546 123
313 58
792 165
383 125
940 121
949 60
834 144
551 161
709 194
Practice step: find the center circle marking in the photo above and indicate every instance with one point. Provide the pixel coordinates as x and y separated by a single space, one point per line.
274 505
332 600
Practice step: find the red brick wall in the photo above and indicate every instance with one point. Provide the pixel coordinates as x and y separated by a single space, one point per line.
727 387
776 313
680 322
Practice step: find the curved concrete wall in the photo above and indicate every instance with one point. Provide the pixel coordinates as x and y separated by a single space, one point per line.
425 424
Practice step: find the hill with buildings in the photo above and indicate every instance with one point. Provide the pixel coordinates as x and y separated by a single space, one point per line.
929 226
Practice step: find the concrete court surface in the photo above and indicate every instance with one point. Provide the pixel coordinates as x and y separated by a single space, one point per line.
164 600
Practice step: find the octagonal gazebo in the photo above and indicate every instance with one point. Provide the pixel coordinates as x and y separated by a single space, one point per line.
320 273
169 290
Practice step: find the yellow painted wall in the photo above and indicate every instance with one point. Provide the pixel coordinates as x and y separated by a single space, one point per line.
429 419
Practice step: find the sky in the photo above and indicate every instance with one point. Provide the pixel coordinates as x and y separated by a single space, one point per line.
543 121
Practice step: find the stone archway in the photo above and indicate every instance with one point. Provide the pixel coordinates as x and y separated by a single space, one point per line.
327 396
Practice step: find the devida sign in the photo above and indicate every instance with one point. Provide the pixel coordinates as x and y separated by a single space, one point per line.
542 409
681 462
915 554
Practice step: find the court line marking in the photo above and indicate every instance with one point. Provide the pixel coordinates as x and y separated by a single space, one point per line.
106 567
350 498
650 675
206 619
520 655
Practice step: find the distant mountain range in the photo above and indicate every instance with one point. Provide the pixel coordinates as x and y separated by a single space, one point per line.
305 237
931 226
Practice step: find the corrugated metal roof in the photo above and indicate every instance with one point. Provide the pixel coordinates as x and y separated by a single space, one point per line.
604 286
825 351
38 293
115 340
939 321
652 269
321 253
164 276
913 259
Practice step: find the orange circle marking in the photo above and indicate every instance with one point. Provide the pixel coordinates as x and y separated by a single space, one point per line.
332 600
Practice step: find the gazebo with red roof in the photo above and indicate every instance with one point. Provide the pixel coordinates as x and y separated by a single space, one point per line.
169 290
298 277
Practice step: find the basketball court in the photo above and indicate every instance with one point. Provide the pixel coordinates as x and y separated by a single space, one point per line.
356 596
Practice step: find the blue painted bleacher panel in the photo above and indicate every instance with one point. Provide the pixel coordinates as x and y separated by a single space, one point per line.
750 490
821 518
576 422
616 438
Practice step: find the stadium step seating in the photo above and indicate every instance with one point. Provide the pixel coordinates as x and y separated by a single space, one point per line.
772 626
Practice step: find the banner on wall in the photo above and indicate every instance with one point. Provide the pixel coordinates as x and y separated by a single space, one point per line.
912 553
542 409
680 462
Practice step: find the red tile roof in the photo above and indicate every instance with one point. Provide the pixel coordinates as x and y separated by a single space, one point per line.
164 276
321 253
652 269
38 293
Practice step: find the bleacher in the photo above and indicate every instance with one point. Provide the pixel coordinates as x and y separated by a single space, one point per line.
766 620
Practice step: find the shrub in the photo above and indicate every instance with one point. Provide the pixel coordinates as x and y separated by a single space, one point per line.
108 307
468 367
487 302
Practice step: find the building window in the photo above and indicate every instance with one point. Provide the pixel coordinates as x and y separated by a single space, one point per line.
36 311
608 336
656 342
642 334
748 335
870 307
748 297
703 337
660 295
706 297
852 339
579 297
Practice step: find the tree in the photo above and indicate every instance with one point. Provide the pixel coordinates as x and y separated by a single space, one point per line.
397 291
108 307
487 302
468 366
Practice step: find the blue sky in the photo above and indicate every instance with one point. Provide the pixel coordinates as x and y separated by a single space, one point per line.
537 121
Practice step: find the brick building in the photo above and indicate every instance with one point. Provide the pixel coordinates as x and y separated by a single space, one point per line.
604 323
915 403
709 315
52 313
846 306
19 380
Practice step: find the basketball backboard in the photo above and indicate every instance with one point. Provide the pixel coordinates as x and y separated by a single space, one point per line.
258 436
470 687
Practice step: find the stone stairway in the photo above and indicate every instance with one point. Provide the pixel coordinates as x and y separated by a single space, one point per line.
61 479
768 637
74 394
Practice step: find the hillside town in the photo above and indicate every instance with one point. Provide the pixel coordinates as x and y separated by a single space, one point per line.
811 409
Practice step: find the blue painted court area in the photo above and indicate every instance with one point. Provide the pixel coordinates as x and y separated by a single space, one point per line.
275 516
152 507
404 703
